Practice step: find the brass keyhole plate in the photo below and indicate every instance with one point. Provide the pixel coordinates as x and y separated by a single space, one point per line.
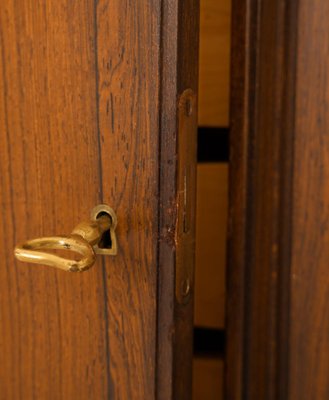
97 212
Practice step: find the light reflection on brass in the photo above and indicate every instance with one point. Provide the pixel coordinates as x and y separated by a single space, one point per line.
85 240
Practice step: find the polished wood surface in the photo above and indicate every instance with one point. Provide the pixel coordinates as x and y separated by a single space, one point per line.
309 298
180 33
128 86
52 324
211 231
278 324
85 93
237 216
214 62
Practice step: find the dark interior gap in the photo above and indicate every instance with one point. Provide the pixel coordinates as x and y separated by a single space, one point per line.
209 342
213 144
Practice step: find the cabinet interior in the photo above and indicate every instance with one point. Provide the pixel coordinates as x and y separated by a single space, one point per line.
212 199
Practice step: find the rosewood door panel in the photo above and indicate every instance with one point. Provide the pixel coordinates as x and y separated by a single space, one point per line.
89 95
128 113
278 299
52 328
309 299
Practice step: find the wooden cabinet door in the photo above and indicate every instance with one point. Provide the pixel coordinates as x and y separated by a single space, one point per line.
278 297
90 109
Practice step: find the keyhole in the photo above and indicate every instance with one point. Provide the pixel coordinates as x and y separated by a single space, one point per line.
106 240
108 243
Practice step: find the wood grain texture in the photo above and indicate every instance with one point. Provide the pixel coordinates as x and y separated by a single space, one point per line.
179 71
242 53
262 177
214 62
88 114
128 85
278 324
52 325
211 233
309 315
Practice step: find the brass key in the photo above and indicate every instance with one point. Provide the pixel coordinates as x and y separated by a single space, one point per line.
86 239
